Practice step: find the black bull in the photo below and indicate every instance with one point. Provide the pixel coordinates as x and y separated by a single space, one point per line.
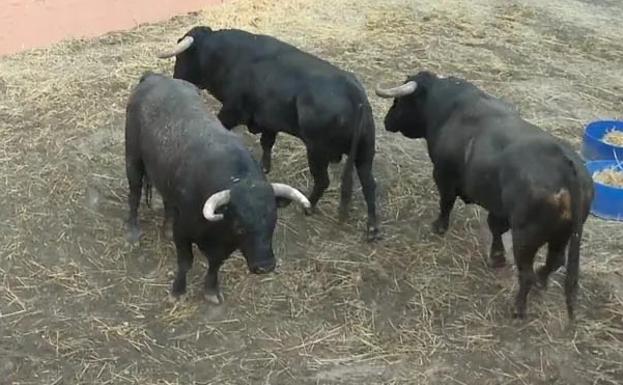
211 186
273 87
483 152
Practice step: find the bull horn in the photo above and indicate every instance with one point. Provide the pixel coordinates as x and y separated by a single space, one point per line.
285 191
396 92
214 202
182 46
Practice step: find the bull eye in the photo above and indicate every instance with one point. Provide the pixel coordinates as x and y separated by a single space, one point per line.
238 228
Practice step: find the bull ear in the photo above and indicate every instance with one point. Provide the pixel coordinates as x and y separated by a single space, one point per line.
221 209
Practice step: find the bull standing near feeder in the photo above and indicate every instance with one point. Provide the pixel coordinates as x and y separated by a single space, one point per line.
271 87
484 153
215 192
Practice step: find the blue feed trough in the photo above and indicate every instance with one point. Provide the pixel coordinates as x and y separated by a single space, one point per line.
608 201
594 147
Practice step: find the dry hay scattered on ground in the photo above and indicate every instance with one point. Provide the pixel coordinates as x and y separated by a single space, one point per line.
78 305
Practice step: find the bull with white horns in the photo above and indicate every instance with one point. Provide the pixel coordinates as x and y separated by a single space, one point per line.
211 187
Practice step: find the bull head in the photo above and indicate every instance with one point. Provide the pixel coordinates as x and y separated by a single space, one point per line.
221 198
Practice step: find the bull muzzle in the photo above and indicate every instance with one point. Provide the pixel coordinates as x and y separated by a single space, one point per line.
263 268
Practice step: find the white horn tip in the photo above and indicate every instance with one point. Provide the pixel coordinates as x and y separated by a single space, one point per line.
305 202
213 217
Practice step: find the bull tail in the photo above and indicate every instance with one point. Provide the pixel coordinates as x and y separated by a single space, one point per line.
147 190
573 254
347 173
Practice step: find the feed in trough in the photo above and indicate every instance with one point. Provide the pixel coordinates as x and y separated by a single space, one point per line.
614 138
610 176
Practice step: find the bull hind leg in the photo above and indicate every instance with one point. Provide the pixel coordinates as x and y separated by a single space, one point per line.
166 231
318 167
554 260
346 191
267 140
447 196
135 172
147 191
368 187
497 226
525 246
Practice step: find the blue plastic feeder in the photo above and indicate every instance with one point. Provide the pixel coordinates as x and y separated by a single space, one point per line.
593 146
608 201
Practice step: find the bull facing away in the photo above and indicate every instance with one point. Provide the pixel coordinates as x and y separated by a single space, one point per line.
211 187
271 87
483 152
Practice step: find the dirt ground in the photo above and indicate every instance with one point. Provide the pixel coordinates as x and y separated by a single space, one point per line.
26 24
78 305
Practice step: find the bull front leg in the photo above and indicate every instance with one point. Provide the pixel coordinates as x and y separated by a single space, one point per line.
497 226
212 291
446 186
183 247
319 168
216 257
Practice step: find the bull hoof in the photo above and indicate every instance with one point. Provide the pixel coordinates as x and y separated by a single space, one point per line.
133 235
214 298
373 234
342 215
497 262
541 279
439 227
176 298
266 164
309 210
519 315
166 233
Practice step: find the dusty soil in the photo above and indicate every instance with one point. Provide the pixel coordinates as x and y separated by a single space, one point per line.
26 24
80 306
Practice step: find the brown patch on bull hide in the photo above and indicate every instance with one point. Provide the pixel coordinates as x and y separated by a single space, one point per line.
561 200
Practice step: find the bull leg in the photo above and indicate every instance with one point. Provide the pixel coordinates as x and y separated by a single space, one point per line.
267 140
318 166
368 187
165 231
524 248
555 258
212 290
134 172
228 117
346 191
497 226
216 257
185 257
447 197
148 191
